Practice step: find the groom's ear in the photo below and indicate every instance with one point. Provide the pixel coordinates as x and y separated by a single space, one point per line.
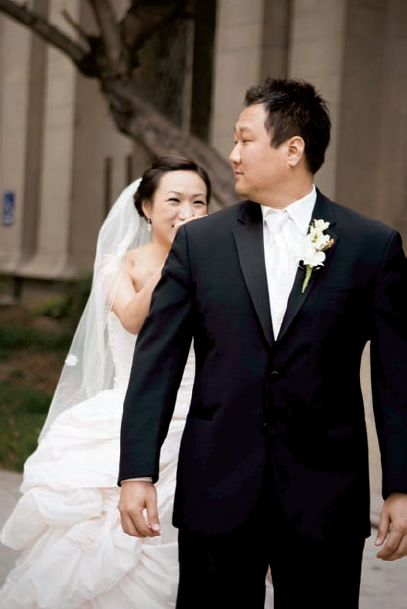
295 150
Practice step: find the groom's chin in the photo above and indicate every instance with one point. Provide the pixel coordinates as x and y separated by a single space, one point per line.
240 190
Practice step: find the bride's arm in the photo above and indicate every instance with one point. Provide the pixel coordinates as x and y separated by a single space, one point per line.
132 307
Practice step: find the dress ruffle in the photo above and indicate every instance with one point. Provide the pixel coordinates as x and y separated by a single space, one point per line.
75 554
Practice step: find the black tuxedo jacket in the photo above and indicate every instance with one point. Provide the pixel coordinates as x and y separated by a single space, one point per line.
294 402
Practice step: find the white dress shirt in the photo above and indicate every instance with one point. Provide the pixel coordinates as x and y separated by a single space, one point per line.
283 230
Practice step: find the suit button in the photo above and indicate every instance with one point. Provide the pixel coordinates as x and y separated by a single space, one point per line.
274 375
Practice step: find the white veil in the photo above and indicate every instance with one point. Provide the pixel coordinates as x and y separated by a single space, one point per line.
89 366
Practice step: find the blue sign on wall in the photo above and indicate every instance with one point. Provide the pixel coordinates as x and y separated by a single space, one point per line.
9 208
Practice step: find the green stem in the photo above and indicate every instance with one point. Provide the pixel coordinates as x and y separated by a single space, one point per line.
307 278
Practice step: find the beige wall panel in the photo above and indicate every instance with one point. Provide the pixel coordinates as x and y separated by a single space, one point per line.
14 56
373 143
391 194
96 182
100 168
55 197
361 109
238 56
35 131
316 54
276 26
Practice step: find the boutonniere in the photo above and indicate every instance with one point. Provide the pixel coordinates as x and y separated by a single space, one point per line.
313 248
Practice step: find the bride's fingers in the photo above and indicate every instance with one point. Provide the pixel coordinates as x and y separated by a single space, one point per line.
182 222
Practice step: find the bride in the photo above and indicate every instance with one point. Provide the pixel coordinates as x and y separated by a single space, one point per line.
74 553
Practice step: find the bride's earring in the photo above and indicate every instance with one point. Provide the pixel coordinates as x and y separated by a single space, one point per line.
148 225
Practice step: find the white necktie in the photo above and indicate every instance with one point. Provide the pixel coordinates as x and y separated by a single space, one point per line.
278 261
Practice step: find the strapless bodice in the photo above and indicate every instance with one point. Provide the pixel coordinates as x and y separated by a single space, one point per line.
122 344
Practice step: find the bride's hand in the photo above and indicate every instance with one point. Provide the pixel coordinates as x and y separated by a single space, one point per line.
135 497
179 223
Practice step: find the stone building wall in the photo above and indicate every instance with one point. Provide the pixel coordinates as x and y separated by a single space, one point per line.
63 162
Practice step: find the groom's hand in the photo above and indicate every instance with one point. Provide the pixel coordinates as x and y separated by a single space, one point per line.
135 497
393 525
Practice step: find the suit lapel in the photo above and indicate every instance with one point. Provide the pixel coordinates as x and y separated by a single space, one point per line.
249 241
323 210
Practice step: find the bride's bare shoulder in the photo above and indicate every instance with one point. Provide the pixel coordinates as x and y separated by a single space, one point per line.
138 264
137 257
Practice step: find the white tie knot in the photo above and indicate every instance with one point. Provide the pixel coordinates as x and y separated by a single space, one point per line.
275 220
278 225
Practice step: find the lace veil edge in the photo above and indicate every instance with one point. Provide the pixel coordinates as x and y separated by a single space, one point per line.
89 366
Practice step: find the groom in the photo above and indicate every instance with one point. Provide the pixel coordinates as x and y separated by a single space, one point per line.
273 464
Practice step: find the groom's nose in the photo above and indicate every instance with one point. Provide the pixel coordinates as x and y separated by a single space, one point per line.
234 156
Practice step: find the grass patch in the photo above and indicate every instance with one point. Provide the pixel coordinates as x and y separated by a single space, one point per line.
56 307
32 346
13 338
22 413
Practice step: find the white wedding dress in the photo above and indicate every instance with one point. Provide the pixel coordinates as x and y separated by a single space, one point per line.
74 552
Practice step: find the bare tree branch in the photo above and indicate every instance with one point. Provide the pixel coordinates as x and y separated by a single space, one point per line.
144 19
115 52
111 58
49 33
75 26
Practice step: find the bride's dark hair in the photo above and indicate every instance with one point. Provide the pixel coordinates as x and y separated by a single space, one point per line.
152 176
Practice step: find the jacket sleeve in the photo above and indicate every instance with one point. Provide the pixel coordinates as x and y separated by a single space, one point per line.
161 352
389 366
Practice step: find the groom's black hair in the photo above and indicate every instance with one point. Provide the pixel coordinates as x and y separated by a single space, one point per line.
152 176
294 108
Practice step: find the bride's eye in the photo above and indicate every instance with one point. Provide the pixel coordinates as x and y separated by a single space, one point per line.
199 203
174 201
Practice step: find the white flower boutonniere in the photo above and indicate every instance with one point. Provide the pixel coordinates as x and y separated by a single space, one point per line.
313 248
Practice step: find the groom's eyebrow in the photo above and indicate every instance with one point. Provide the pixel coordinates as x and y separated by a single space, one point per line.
242 129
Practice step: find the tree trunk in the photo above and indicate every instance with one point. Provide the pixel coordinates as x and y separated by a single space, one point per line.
139 120
111 58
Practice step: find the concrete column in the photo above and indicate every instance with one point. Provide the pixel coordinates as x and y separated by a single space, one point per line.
391 150
276 28
372 164
238 64
14 74
363 65
99 171
318 30
99 163
55 193
34 140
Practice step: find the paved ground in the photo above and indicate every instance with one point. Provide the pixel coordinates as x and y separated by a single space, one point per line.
384 585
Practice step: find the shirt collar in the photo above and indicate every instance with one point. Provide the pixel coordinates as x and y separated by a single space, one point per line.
300 211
